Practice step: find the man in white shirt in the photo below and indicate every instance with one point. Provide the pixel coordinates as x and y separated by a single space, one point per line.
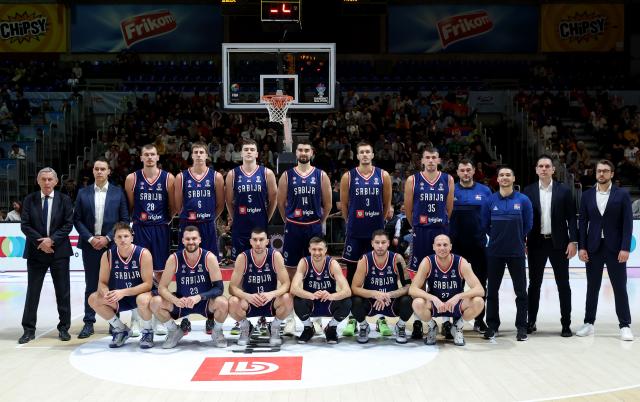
97 209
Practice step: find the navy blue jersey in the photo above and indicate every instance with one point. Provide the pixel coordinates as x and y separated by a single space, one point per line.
125 270
430 200
259 278
383 278
365 203
192 279
319 278
198 196
445 282
304 196
250 200
507 221
151 199
466 224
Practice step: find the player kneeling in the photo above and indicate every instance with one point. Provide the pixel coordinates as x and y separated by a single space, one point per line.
199 290
376 292
438 291
320 290
126 277
259 287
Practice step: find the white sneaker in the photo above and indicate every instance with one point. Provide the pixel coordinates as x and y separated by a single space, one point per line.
626 334
585 330
135 324
290 326
158 327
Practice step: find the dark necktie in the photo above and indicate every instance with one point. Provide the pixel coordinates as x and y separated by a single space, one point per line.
45 213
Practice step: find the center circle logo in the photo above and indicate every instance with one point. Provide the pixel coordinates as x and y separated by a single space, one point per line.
196 365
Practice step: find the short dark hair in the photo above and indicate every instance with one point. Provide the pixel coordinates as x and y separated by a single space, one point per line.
317 239
258 230
505 167
304 142
465 161
363 144
544 156
431 150
149 146
191 228
379 232
606 162
122 226
249 141
101 159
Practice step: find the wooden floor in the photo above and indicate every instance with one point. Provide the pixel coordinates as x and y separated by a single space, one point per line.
545 367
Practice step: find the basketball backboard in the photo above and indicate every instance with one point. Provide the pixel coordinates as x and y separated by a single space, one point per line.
305 71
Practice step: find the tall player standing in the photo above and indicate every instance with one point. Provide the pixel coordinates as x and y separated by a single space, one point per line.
428 202
199 195
304 202
365 199
250 195
150 195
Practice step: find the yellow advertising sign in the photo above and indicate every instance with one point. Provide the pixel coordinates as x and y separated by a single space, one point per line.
33 28
582 27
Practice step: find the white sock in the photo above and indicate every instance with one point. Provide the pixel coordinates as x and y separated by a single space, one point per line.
171 325
217 325
135 316
307 322
147 325
116 323
276 321
333 322
401 323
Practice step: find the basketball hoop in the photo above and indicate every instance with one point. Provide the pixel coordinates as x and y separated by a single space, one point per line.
277 106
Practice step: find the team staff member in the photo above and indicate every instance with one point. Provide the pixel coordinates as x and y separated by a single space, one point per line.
605 226
98 208
47 220
465 229
554 236
507 217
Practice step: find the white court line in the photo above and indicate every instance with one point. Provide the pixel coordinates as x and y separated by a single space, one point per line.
599 392
44 333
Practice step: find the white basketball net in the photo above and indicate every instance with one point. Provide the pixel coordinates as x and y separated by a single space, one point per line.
277 106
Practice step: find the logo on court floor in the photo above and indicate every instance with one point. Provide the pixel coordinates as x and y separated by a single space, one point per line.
250 369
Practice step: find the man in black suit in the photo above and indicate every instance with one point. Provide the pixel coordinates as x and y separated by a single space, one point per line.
98 208
47 220
554 236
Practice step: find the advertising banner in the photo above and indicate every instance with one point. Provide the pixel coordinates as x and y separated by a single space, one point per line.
582 27
188 28
33 28
463 28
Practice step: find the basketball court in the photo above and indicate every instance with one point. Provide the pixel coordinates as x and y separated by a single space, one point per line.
547 366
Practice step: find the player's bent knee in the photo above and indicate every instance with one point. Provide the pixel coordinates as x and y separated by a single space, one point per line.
156 303
93 300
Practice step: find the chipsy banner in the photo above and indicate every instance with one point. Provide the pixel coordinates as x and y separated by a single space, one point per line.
463 28
33 28
146 28
582 27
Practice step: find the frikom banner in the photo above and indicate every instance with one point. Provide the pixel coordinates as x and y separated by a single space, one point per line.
463 28
33 28
582 27
187 28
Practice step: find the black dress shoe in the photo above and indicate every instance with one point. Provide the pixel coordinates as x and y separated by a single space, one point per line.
531 328
26 337
63 335
566 332
86 332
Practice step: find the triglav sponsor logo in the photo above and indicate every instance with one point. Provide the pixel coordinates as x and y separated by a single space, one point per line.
146 26
463 26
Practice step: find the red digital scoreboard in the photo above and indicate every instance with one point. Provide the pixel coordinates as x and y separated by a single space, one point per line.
280 11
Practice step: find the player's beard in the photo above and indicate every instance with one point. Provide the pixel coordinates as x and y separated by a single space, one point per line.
191 248
304 160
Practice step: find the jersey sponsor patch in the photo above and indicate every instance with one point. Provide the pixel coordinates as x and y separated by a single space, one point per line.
516 206
143 216
192 216
424 219
242 210
297 213
360 213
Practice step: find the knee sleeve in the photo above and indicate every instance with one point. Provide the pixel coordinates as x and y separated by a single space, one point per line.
402 307
340 309
360 307
302 308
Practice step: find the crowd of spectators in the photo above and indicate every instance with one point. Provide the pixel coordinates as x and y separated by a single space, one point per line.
602 119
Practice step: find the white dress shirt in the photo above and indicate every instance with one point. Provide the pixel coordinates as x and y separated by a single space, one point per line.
50 206
100 198
545 207
602 197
